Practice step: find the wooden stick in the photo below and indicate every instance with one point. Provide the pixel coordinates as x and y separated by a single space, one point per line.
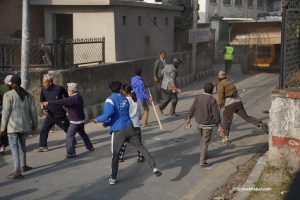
155 112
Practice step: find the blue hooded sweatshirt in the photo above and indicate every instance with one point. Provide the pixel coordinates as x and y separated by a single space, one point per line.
116 112
138 86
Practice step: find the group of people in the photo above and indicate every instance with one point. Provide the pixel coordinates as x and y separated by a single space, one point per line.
122 112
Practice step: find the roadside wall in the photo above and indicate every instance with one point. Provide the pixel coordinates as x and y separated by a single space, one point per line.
284 141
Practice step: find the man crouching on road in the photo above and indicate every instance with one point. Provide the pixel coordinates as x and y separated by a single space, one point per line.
228 96
207 116
116 115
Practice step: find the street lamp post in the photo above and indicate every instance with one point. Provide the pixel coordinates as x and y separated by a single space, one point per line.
194 42
283 45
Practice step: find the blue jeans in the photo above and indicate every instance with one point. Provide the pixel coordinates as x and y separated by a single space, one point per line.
73 129
17 142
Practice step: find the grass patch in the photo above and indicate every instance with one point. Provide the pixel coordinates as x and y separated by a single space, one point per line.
276 178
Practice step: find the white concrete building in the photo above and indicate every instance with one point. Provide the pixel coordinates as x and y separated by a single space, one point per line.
131 29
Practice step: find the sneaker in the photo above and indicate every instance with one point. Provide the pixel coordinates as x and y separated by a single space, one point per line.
265 127
91 149
141 159
26 168
157 172
121 160
174 114
112 181
15 175
2 150
225 139
73 155
42 149
205 164
161 110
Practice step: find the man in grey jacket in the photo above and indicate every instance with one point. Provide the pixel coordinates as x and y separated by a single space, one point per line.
169 87
157 74
207 115
19 117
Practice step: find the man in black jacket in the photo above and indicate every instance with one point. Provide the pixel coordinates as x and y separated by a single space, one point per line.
55 114
207 115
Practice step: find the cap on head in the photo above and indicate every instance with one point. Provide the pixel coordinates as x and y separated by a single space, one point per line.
15 79
177 60
222 74
7 80
48 77
72 87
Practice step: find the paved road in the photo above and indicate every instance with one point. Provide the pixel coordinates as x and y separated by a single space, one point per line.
175 150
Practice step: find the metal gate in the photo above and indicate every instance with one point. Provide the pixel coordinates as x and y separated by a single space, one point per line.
290 55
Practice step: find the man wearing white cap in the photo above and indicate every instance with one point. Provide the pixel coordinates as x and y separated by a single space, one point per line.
229 98
75 106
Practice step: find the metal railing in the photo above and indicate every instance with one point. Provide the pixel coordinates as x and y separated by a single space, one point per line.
61 53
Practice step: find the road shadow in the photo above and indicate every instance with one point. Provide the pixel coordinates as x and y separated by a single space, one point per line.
18 194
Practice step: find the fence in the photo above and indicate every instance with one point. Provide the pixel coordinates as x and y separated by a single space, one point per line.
57 54
73 52
290 56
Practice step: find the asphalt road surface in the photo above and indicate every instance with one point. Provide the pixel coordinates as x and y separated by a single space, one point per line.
176 152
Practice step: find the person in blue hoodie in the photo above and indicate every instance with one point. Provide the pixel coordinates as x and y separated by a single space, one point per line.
138 85
116 116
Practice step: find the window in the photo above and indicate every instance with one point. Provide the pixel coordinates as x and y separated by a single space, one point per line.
250 3
155 21
227 2
259 3
140 20
167 21
124 20
238 2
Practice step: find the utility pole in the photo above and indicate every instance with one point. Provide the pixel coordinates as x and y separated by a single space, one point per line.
194 42
25 45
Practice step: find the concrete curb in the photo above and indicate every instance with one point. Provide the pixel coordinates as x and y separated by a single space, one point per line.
253 177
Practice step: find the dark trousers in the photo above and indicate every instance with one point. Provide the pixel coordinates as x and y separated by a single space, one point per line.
73 129
63 123
204 141
123 148
168 96
4 141
130 135
239 109
228 65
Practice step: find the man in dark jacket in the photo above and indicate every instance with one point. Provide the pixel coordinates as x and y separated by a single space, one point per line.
229 98
207 116
157 74
55 114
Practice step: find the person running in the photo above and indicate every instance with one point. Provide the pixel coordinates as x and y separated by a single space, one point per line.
138 86
116 115
135 113
207 115
55 114
19 117
169 87
229 98
75 106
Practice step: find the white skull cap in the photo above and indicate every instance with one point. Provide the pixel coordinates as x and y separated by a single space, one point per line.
7 79
72 87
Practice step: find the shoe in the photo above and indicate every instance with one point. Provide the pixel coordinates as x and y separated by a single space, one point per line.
161 110
157 172
265 127
15 175
73 155
26 168
225 139
2 150
141 159
112 181
174 114
41 149
121 160
91 149
205 164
